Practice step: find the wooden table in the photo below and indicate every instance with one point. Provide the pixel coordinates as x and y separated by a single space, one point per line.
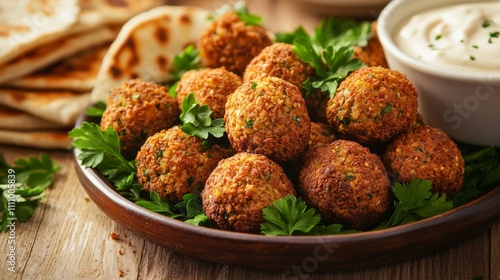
69 237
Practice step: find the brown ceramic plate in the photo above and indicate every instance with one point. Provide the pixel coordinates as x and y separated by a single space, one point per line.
305 253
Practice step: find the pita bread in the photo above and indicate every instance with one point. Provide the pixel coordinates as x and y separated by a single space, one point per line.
51 139
60 107
76 72
146 46
25 24
52 52
12 119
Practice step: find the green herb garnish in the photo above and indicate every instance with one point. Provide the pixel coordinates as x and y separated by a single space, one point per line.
329 50
188 59
495 34
197 120
101 150
22 185
415 201
486 23
96 110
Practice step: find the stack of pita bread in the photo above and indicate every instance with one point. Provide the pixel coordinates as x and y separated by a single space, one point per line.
50 55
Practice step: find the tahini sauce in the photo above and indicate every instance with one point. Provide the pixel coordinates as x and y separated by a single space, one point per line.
463 37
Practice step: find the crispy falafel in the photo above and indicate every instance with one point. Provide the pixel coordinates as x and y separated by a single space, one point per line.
426 153
279 60
240 187
268 116
173 164
372 105
346 184
229 42
137 110
210 86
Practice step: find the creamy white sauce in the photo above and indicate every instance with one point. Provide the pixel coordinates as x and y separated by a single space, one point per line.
463 37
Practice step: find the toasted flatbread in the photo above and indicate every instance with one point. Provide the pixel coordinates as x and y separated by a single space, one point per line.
77 72
49 53
45 139
12 119
147 44
25 24
61 107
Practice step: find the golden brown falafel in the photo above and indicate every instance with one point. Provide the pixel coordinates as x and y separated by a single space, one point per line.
229 42
240 187
173 164
137 110
426 153
210 86
346 184
268 116
279 60
372 105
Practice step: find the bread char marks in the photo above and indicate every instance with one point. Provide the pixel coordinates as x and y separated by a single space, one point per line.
131 49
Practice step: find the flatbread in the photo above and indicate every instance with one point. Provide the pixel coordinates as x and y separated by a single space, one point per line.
12 119
60 107
147 44
49 53
77 72
50 139
25 24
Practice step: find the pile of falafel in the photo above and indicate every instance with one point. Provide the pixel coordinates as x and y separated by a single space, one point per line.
340 154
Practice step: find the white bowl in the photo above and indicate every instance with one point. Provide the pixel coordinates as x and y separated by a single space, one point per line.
464 105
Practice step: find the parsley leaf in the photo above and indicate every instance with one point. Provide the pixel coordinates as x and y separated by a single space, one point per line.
101 150
96 110
415 201
482 171
329 50
22 186
197 120
188 59
287 216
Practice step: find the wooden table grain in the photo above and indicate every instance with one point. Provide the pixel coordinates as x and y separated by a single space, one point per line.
70 238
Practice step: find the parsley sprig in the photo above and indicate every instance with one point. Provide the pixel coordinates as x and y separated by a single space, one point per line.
329 50
22 185
415 201
188 59
291 216
197 120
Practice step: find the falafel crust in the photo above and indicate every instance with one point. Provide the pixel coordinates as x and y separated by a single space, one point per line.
229 42
210 86
136 110
279 60
346 184
426 153
240 187
268 116
174 164
372 105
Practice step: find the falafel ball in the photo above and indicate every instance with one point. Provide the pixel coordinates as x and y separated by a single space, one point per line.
279 60
174 164
426 153
346 184
136 110
268 116
210 86
372 105
228 41
240 187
